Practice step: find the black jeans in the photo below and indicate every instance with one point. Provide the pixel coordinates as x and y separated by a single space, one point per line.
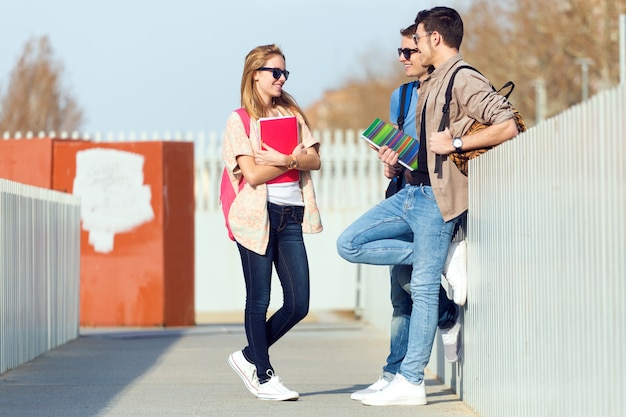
287 253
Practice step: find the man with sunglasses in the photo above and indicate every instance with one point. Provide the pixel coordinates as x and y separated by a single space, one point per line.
415 225
404 112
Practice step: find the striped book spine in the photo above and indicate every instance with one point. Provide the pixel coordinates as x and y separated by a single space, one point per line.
380 133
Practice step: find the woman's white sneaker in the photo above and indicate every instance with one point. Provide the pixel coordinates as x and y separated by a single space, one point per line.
274 390
245 370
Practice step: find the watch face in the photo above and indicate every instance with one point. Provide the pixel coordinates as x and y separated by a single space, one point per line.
457 143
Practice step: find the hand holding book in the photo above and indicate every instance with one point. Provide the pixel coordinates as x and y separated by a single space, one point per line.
280 134
390 158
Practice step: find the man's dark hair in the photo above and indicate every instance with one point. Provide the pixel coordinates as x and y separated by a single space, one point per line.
444 20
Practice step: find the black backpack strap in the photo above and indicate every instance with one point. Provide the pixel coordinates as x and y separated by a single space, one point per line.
406 92
509 84
445 119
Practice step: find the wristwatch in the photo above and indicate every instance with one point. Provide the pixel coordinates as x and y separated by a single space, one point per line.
457 143
293 164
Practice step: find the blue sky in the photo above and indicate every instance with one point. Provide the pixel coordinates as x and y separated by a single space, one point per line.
175 65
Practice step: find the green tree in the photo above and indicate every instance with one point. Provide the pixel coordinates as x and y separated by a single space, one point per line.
35 99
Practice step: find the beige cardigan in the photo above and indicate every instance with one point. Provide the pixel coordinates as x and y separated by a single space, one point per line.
248 217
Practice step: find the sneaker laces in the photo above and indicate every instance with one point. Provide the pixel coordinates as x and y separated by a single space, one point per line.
276 383
395 381
381 383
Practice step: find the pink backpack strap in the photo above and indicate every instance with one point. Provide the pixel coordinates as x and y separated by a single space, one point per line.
227 193
245 119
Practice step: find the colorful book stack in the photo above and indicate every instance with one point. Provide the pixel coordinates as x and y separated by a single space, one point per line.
381 133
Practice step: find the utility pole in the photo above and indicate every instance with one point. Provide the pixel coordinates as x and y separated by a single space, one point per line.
540 100
584 64
622 49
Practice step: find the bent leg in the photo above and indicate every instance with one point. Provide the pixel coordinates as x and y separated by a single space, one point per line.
381 236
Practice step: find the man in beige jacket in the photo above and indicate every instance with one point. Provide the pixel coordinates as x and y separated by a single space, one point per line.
415 226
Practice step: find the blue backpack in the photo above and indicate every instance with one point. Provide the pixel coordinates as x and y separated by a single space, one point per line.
406 91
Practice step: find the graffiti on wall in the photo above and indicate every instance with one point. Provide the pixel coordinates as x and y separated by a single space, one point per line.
114 198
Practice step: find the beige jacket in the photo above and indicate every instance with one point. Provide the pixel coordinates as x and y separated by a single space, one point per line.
248 217
480 102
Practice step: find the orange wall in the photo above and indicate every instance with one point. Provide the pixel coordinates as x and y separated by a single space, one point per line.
148 277
179 230
28 161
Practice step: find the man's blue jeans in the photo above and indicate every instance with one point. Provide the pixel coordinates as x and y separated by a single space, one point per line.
406 229
287 253
400 278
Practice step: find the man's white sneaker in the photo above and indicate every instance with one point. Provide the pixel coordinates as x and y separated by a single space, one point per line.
399 392
455 271
376 386
274 390
452 346
246 370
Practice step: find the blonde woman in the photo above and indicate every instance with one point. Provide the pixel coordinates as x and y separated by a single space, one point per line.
269 216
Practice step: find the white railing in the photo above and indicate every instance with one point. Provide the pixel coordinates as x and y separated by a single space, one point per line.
39 271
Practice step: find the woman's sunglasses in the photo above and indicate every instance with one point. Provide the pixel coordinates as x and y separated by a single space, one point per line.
406 52
276 72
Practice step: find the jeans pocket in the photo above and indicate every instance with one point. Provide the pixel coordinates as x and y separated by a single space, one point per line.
298 214
427 191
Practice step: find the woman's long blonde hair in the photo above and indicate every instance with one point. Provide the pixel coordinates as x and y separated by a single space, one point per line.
250 99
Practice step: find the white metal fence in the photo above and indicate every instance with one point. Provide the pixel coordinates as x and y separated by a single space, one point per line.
39 271
545 324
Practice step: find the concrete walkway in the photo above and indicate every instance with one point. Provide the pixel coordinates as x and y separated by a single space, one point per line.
184 372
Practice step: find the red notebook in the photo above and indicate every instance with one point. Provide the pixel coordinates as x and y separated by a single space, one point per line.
282 134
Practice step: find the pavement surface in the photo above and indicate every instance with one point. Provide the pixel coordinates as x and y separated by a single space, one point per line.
184 372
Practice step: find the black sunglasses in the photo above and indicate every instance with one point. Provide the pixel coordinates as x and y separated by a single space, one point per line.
406 52
276 72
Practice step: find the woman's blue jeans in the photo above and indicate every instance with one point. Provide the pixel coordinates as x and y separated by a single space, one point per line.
406 229
286 252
